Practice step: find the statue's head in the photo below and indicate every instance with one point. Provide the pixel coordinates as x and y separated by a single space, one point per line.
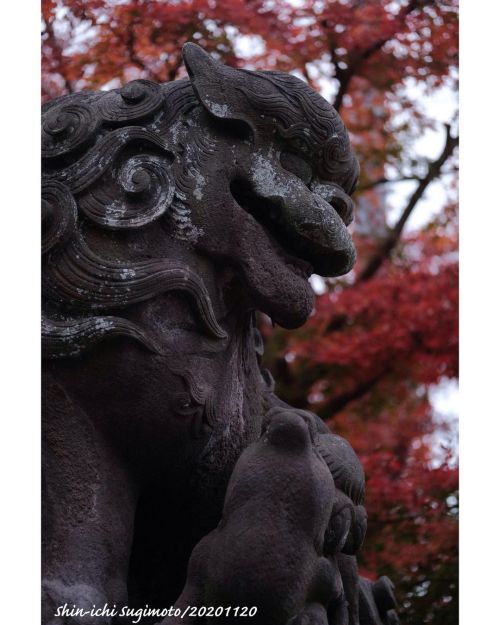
251 169
275 199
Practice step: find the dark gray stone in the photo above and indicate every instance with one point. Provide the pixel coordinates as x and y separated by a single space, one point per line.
170 214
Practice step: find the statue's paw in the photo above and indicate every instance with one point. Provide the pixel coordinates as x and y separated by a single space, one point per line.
313 614
287 413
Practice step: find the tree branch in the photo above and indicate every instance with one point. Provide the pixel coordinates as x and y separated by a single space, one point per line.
384 180
338 403
344 76
134 58
433 172
307 75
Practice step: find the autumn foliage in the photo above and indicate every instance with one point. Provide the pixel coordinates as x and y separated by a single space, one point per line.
383 337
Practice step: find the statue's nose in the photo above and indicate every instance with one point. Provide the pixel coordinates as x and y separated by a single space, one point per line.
336 197
322 224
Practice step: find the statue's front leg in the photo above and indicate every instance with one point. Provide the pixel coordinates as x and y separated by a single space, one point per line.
266 551
88 514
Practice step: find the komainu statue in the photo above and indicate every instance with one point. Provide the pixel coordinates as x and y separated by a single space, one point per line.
173 476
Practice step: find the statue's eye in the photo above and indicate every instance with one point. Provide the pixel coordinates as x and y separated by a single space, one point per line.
296 165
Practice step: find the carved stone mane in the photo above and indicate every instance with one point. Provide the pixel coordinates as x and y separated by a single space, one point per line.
107 166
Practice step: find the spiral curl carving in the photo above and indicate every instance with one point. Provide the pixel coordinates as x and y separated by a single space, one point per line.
101 157
59 215
67 127
140 192
136 100
335 152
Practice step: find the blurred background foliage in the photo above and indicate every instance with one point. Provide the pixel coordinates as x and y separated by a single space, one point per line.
381 346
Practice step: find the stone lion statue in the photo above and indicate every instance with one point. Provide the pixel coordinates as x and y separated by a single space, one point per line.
170 215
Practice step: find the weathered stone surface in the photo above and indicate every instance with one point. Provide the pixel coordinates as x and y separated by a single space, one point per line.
170 214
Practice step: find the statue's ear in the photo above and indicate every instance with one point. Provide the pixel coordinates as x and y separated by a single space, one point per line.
217 86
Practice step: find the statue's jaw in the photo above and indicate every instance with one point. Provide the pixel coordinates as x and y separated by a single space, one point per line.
309 223
284 233
276 281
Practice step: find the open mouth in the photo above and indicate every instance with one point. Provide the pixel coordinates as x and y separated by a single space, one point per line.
301 249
